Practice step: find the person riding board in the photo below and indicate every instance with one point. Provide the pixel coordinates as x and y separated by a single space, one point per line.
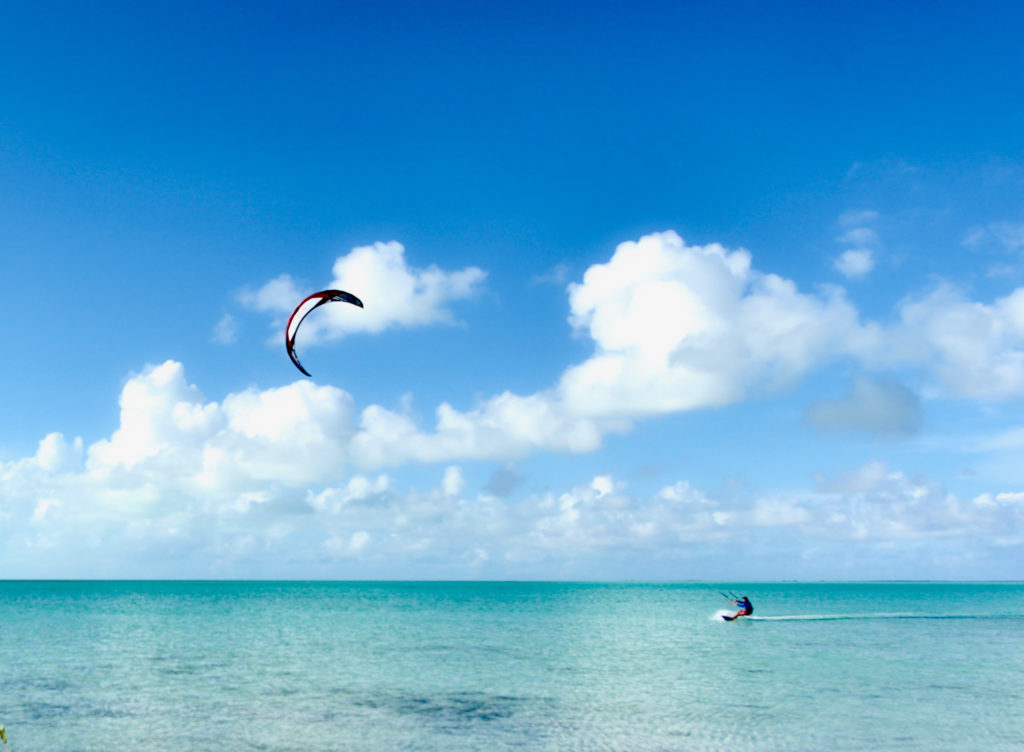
746 608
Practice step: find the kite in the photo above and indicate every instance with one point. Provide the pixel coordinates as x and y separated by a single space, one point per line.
306 307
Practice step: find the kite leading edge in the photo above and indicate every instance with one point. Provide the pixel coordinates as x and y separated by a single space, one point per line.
303 309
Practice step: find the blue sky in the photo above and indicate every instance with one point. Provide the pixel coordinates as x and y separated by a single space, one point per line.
653 291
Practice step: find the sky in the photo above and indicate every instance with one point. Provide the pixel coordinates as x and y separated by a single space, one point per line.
652 291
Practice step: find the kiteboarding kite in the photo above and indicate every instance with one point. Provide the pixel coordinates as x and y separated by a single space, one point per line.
306 307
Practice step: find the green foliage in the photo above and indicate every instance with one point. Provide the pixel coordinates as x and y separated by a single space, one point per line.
3 739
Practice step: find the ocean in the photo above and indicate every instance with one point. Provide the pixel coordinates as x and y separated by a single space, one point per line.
439 666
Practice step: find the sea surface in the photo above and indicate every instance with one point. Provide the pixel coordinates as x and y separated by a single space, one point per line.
309 666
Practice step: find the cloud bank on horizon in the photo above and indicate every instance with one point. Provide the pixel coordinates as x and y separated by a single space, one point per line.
299 480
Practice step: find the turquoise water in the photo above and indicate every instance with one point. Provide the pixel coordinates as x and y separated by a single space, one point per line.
502 666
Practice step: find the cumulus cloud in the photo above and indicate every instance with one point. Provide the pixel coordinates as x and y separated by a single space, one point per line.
858 236
859 258
172 501
680 327
55 453
674 327
401 295
395 295
855 263
171 441
1005 236
453 482
226 330
881 504
279 295
505 426
880 407
359 489
976 350
349 545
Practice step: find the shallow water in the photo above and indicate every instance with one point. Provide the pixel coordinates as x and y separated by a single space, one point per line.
503 666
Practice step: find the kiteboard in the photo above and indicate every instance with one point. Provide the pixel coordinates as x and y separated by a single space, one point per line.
729 618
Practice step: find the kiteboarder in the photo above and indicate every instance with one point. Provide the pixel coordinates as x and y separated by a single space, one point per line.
746 608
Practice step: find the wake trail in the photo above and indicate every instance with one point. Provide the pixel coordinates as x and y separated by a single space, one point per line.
849 617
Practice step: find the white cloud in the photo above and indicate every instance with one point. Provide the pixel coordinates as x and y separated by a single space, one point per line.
674 328
279 295
347 545
603 485
1007 499
159 410
679 327
1006 236
295 434
56 454
453 483
394 294
505 426
358 489
169 436
855 263
682 492
226 330
976 350
165 504
858 236
268 472
875 503
42 507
